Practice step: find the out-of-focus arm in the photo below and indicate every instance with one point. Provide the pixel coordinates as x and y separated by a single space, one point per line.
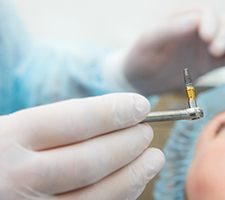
13 48
32 74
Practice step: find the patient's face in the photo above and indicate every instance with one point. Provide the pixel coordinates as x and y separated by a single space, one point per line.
206 176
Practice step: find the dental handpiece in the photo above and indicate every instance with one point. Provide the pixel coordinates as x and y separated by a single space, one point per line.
185 114
192 113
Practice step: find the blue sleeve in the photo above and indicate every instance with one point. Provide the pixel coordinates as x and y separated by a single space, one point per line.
33 75
49 75
13 47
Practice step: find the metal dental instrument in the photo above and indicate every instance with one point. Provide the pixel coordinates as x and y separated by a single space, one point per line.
186 114
191 113
190 90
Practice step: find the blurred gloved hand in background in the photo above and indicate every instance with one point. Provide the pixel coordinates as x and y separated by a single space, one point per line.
192 38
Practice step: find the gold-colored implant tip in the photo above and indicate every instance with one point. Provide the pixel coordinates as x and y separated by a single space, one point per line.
190 90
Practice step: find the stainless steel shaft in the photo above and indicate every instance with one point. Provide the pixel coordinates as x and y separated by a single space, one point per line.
186 114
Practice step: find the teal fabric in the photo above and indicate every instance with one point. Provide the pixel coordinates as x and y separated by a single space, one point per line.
181 145
13 48
31 75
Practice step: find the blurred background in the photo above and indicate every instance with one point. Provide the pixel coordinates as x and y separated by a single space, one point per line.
102 23
111 24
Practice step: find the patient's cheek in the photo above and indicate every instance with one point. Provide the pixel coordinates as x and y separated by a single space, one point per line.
198 184
206 176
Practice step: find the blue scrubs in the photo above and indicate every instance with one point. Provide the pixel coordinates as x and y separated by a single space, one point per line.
31 75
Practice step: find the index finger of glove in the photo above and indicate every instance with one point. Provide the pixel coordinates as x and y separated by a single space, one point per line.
76 120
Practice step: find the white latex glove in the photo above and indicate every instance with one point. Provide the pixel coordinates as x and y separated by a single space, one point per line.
80 149
193 38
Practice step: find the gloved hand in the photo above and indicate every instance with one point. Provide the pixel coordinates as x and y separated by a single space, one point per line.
79 149
192 38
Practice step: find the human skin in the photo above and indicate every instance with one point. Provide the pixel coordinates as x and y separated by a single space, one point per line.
206 176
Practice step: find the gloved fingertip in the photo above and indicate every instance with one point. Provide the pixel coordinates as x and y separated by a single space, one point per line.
188 22
217 49
154 161
148 132
208 26
141 105
128 109
206 33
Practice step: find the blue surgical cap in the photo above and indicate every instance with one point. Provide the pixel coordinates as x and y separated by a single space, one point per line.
180 146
